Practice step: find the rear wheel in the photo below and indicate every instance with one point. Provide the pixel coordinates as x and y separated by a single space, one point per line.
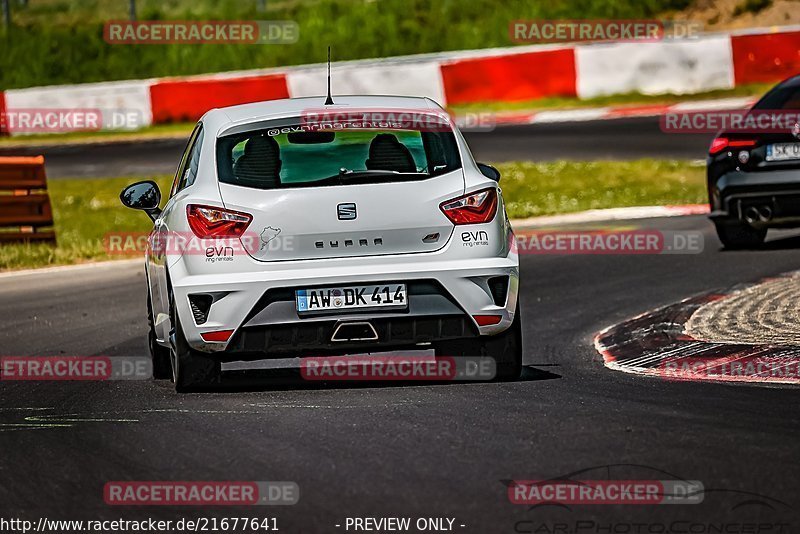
159 354
191 369
505 348
739 235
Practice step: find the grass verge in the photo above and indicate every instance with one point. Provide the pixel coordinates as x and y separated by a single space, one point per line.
533 189
753 90
84 212
87 210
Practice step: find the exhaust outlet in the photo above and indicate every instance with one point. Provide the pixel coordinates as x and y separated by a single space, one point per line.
757 214
354 331
752 215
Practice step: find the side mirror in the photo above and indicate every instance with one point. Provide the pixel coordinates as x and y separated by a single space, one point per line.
489 172
143 196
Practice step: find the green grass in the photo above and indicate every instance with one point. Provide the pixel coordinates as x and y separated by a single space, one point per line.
61 41
533 189
753 90
86 210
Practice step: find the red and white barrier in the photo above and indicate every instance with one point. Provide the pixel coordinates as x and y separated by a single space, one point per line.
187 99
510 77
3 128
765 58
677 67
718 61
123 105
414 78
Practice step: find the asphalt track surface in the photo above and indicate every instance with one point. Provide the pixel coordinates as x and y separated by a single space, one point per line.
438 450
435 450
619 139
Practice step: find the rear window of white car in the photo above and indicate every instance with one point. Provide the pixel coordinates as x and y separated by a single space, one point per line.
296 155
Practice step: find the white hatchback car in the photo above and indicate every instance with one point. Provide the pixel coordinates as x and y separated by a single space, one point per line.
295 228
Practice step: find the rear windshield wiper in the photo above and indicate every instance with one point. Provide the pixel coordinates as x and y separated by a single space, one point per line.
350 172
368 176
348 175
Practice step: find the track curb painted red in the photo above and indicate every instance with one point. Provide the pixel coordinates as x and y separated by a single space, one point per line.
655 344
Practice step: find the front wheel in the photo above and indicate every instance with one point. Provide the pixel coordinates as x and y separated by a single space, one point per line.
191 369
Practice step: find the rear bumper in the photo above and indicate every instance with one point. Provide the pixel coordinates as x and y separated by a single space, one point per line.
443 297
761 199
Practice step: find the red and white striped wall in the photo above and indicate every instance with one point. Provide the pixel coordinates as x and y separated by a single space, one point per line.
715 61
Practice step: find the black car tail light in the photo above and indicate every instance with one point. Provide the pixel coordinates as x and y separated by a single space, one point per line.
721 143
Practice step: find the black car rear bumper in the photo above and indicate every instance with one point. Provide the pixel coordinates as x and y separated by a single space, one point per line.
761 199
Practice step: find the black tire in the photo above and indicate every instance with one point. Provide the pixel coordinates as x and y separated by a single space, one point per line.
191 370
160 355
505 348
739 235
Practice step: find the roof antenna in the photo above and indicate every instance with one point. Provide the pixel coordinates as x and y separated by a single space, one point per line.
329 100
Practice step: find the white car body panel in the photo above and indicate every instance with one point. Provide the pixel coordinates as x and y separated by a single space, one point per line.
461 260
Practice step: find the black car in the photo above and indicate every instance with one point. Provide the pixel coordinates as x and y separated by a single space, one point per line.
754 175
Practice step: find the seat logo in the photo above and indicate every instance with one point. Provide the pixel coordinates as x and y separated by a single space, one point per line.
346 212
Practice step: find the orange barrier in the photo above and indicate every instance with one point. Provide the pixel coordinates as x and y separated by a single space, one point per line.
765 57
181 100
25 212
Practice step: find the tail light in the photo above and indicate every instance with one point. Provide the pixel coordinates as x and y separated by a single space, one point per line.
487 320
721 143
218 336
474 208
209 222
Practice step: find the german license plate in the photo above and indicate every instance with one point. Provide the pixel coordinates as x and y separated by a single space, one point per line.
352 298
783 151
